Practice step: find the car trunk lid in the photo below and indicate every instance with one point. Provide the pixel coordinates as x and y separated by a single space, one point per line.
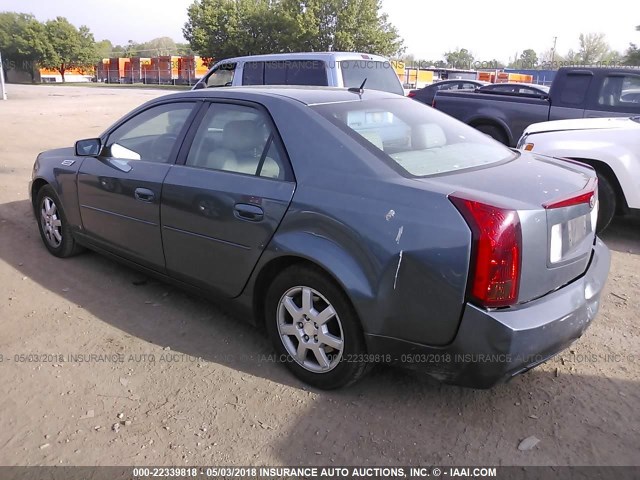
555 202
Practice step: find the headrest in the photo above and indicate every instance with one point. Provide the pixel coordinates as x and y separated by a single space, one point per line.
241 135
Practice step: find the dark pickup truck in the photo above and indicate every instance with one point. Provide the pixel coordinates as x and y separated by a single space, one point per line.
575 93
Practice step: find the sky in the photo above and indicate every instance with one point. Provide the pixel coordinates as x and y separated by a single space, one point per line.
429 27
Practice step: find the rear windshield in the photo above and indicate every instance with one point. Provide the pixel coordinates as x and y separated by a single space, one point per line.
415 137
379 75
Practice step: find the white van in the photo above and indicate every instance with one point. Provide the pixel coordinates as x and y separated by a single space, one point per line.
333 69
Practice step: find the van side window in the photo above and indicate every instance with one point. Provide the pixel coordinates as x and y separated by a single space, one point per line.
295 72
253 73
222 76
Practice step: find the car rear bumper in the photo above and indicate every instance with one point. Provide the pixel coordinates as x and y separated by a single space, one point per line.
493 346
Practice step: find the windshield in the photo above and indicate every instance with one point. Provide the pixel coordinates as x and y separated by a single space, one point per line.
222 76
413 136
379 75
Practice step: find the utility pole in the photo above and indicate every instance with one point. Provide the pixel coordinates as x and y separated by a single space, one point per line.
3 92
553 50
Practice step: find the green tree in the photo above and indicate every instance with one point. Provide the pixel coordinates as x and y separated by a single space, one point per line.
104 49
23 41
593 48
529 58
227 28
632 55
70 47
461 58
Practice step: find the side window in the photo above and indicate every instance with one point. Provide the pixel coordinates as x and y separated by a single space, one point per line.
239 139
275 73
295 72
253 73
306 72
620 91
150 135
575 89
222 76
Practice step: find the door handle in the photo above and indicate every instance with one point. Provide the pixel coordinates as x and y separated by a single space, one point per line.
144 195
245 211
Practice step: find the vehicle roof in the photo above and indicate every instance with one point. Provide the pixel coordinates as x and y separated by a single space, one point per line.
337 56
521 84
308 95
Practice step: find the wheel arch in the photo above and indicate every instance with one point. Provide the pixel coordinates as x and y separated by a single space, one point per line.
36 185
322 255
492 122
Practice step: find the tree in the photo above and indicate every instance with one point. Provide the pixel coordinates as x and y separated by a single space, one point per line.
529 59
69 47
228 28
461 58
593 48
22 41
632 55
104 49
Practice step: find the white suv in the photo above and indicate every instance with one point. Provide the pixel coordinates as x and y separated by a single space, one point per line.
332 69
610 145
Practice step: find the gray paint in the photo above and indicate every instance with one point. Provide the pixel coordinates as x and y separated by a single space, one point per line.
396 244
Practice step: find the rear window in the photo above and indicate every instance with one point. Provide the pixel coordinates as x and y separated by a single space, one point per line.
379 75
416 138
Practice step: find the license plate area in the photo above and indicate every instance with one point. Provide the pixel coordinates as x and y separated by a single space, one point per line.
571 234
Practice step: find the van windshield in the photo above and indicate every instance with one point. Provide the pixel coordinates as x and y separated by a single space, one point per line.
415 137
379 75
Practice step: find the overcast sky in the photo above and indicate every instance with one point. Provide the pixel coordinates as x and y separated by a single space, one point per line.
490 29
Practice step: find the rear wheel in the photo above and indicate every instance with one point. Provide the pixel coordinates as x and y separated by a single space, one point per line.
315 329
53 225
494 132
608 203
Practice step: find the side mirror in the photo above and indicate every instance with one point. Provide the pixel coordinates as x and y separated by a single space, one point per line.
90 147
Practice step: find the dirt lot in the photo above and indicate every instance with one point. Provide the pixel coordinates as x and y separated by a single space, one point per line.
208 398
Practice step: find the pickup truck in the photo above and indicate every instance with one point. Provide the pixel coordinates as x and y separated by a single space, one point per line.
575 93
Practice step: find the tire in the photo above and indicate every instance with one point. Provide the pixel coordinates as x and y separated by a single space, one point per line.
53 225
608 203
494 132
294 325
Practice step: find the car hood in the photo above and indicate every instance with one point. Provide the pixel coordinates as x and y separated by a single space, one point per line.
583 124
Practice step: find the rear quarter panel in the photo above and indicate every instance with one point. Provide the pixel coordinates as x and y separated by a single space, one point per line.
400 250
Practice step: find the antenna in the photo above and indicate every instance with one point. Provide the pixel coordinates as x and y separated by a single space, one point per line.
359 90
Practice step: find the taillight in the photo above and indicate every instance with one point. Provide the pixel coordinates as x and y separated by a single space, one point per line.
496 251
411 94
586 195
433 104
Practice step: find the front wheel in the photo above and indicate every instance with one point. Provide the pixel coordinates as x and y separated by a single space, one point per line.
53 225
315 329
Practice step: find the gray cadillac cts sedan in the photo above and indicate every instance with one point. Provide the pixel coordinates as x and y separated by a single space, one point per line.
355 226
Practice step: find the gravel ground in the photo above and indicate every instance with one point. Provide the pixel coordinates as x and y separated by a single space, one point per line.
211 395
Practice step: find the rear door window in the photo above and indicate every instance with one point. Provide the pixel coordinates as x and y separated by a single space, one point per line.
575 89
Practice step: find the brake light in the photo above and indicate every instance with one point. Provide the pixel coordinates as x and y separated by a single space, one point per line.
411 94
496 251
586 195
